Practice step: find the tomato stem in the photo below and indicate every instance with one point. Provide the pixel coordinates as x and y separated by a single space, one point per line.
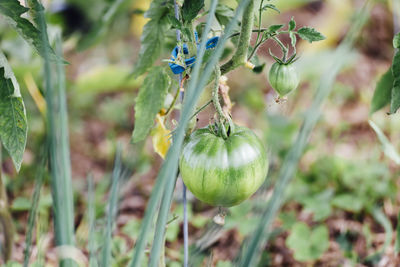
240 56
284 48
215 98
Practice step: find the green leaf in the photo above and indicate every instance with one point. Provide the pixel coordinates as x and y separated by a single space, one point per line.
395 102
101 27
224 14
21 204
259 68
153 35
12 10
310 34
274 28
383 92
292 24
308 244
396 41
150 101
176 24
348 202
293 39
13 125
319 204
190 9
270 6
387 147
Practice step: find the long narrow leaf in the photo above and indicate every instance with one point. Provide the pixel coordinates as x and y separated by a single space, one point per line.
289 166
101 26
35 203
387 147
92 221
112 208
57 129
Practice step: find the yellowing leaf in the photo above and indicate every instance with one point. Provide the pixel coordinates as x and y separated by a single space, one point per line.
35 93
138 20
161 137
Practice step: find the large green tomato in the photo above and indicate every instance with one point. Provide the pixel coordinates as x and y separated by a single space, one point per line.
283 78
223 172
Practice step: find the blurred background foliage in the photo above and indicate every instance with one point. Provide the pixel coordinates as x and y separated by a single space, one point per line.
331 215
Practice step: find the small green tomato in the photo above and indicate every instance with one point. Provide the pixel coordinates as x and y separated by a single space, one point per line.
223 172
283 78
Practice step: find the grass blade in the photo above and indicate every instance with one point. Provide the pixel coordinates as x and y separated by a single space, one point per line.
33 210
58 140
92 221
289 166
388 149
112 208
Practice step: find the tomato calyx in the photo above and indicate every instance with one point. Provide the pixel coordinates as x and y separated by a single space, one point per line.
284 61
223 130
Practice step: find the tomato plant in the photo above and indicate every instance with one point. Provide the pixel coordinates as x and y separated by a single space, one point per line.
223 172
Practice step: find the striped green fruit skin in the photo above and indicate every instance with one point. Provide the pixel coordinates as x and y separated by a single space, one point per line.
283 78
223 172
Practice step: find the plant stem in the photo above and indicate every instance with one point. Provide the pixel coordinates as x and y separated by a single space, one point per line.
201 108
254 30
284 48
259 22
240 56
217 105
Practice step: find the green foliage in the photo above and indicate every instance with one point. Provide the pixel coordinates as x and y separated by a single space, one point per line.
388 88
270 6
348 202
13 124
101 27
224 14
190 9
396 41
348 185
12 10
153 36
292 24
310 34
319 204
395 101
150 101
387 147
112 208
275 28
308 244
383 91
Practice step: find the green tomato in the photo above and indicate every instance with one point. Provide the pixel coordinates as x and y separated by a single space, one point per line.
223 172
283 78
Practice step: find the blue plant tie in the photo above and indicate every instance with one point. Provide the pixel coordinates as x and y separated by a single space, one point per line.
176 68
